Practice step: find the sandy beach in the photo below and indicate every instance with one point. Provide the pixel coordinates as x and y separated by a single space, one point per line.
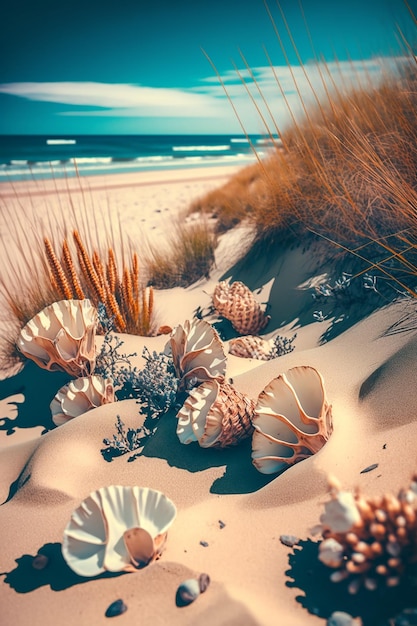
230 517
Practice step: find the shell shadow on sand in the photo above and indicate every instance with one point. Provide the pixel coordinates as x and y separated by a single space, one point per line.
240 475
57 575
323 597
38 387
290 301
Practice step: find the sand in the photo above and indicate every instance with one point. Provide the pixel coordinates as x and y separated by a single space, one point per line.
230 517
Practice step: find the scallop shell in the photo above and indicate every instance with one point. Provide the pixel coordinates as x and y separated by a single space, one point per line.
251 347
292 420
61 337
197 353
117 529
79 396
215 415
237 303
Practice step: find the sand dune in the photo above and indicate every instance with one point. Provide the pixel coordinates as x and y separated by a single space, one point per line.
221 499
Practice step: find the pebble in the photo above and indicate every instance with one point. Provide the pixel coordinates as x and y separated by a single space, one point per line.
369 468
221 524
204 544
188 591
289 540
340 618
116 608
203 582
40 561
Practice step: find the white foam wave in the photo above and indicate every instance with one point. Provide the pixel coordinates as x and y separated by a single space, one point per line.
60 142
201 148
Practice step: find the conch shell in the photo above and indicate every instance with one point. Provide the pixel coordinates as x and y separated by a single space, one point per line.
117 529
61 337
237 303
79 396
197 353
292 420
215 415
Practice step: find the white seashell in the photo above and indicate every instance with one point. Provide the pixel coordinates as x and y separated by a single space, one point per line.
331 552
197 353
341 513
215 415
61 337
188 591
79 396
292 420
117 529
237 303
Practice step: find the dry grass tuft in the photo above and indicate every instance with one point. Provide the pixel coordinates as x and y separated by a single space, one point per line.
187 257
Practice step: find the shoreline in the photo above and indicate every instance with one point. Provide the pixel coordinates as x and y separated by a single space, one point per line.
115 180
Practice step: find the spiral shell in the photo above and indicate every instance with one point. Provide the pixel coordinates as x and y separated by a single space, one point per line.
237 303
215 415
197 353
79 396
292 420
117 529
369 542
61 337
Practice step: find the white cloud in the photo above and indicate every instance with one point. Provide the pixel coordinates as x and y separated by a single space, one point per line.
208 99
108 96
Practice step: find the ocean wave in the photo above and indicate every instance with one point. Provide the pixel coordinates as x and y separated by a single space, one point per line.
201 148
60 142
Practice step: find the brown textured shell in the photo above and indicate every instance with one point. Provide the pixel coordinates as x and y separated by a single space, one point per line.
292 420
251 347
380 547
79 396
215 415
197 353
61 337
237 303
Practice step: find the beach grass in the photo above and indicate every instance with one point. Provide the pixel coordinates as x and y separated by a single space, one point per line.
186 256
345 172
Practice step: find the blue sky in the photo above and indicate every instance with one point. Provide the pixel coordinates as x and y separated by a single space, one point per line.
138 67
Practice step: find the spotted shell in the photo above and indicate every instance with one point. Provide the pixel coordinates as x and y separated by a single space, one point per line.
79 396
216 415
61 337
117 529
237 303
251 347
197 353
292 420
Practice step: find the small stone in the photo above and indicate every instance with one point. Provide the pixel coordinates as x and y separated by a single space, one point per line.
40 561
289 540
116 608
340 618
187 592
204 544
369 468
221 524
203 582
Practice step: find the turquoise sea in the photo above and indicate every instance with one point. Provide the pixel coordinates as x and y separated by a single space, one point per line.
25 157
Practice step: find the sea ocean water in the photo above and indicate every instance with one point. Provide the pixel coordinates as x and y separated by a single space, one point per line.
25 157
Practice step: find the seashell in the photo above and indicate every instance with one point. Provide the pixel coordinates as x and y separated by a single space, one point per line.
203 582
254 347
251 347
197 353
292 420
79 396
117 529
188 591
215 415
61 337
116 608
40 561
369 541
237 303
